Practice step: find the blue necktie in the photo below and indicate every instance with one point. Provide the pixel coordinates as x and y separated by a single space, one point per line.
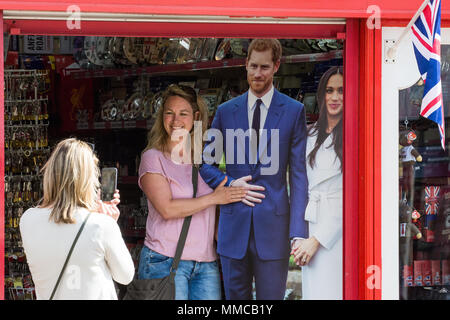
256 123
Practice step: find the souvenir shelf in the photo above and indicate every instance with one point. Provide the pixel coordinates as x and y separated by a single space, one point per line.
26 151
133 124
193 66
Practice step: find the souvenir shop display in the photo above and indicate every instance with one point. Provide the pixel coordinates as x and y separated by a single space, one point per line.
26 151
107 94
138 105
109 52
424 246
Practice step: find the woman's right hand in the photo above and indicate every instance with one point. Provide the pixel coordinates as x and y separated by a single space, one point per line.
110 207
225 195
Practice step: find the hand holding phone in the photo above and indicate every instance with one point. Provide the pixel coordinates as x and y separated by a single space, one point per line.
110 207
109 183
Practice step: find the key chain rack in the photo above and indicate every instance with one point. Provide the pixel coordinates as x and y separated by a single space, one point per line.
26 151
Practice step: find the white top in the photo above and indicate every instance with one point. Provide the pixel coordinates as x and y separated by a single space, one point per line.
251 104
99 256
406 154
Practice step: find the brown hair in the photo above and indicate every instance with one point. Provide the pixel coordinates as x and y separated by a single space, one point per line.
321 125
157 136
266 44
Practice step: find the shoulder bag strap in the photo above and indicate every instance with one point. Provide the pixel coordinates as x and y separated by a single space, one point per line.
68 256
185 229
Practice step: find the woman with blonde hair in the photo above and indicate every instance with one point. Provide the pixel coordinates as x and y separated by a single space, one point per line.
165 176
71 188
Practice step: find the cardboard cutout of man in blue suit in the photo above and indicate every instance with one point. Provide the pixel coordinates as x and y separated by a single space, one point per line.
254 237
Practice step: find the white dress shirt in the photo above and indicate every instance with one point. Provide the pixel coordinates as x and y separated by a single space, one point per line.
266 100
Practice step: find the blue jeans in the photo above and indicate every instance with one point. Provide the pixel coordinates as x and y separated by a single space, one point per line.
193 280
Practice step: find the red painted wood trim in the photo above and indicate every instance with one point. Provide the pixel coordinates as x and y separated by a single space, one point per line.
365 156
351 137
400 9
378 60
369 161
445 23
147 29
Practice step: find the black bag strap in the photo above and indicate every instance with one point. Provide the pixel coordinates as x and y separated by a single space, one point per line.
68 256
185 228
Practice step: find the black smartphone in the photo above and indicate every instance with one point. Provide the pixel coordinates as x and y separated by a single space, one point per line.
109 183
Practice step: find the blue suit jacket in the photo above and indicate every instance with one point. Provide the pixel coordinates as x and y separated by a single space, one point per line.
279 217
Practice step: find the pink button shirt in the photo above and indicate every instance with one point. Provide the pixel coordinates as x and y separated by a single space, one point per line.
162 235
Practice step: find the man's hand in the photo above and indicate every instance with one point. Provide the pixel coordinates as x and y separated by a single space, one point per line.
295 243
252 196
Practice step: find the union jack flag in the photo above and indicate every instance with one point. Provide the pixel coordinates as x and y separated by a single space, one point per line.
427 49
431 200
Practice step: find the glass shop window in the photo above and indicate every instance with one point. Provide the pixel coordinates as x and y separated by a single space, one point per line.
424 195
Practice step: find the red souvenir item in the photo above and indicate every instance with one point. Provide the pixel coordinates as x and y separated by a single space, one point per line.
432 200
432 194
408 275
418 273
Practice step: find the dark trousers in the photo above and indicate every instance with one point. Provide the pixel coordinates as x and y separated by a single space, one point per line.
270 275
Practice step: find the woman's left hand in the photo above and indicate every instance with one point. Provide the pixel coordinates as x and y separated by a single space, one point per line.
110 207
305 251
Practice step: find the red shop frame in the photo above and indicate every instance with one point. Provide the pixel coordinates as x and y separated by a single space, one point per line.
354 275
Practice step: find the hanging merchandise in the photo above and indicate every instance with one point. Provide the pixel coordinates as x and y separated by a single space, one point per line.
116 47
147 109
171 54
75 102
432 200
209 48
408 232
195 49
408 156
79 53
224 50
148 48
134 50
432 194
26 151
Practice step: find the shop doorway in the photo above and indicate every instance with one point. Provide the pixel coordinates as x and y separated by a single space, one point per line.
120 92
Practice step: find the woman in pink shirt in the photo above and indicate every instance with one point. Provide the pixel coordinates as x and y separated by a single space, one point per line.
165 176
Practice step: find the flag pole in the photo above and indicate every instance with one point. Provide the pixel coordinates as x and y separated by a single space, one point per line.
393 49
